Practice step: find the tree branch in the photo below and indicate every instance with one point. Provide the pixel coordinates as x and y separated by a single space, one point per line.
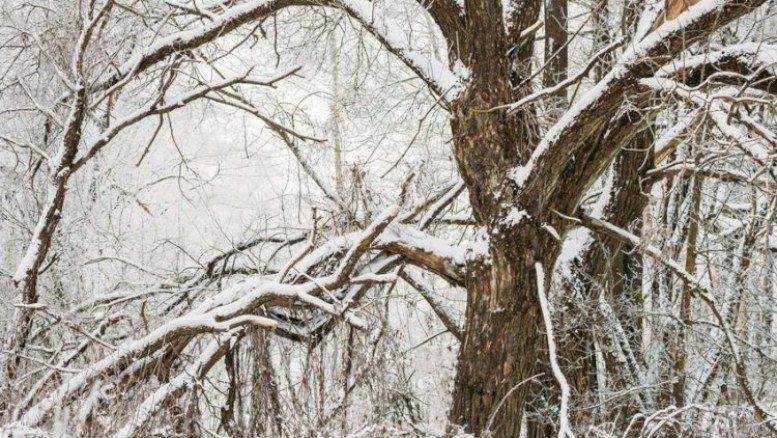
699 291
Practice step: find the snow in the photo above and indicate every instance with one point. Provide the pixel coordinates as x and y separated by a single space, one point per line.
756 54
372 277
18 431
552 231
183 380
227 310
480 247
671 135
575 243
231 303
32 306
578 239
563 429
191 323
443 201
461 71
515 216
64 172
607 191
706 297
418 239
507 13
520 174
647 18
186 37
28 261
718 112
692 14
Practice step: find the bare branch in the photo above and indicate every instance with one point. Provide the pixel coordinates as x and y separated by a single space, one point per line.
449 319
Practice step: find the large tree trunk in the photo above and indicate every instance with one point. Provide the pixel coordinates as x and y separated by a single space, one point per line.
503 345
503 338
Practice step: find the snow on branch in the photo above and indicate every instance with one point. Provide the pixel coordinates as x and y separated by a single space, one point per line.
426 251
641 59
718 112
698 290
155 108
563 428
754 56
212 269
449 317
217 26
401 241
188 378
431 70
439 204
78 351
231 309
220 319
316 328
573 79
624 355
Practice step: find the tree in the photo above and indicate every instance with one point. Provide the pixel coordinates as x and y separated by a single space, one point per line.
526 175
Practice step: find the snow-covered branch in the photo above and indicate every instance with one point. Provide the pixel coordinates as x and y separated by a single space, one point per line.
743 65
718 111
426 251
431 70
568 138
563 428
448 316
155 108
228 310
185 380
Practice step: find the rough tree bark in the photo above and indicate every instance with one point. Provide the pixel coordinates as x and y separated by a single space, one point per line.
499 350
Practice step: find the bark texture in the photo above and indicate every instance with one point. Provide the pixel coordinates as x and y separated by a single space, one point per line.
502 336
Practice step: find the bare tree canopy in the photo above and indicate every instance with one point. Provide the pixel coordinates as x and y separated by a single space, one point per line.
388 218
